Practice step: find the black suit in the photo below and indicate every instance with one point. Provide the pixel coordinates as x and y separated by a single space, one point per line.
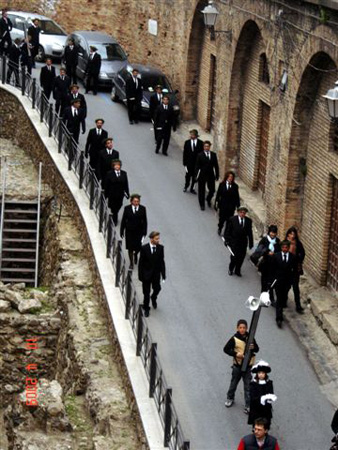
74 120
134 226
227 200
93 71
5 35
190 152
164 120
26 57
116 188
104 164
154 103
150 269
238 238
81 97
13 64
134 94
47 79
34 32
71 59
60 93
94 145
283 273
206 172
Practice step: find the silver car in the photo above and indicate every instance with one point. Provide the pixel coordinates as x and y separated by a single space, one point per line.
52 36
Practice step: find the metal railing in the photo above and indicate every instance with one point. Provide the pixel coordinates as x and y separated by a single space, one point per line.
4 174
146 349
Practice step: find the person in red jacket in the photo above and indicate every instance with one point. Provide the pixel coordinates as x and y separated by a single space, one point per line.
259 439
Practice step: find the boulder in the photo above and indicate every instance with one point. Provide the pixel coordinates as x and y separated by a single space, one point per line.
5 306
29 305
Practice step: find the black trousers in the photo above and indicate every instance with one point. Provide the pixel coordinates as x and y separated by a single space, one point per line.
115 205
190 177
266 285
92 79
202 183
155 285
71 72
282 299
296 291
224 216
13 68
47 91
236 376
163 137
236 261
133 110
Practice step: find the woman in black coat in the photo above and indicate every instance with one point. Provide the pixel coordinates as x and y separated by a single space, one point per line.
261 393
297 249
227 199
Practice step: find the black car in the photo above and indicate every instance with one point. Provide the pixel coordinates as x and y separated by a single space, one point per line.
150 77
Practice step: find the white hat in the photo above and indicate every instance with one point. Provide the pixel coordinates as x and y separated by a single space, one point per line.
261 366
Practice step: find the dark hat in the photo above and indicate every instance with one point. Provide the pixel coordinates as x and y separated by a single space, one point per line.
75 100
261 366
108 139
242 208
153 234
96 120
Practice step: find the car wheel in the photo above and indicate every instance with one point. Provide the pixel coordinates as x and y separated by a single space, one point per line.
113 95
41 56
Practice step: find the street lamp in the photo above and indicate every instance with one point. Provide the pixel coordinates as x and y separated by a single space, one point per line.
255 305
332 102
210 14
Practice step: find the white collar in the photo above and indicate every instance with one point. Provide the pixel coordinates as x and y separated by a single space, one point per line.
261 381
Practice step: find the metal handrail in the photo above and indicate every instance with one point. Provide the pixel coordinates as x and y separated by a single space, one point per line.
38 228
4 167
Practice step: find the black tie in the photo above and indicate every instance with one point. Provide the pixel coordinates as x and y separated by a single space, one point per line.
154 249
242 223
284 256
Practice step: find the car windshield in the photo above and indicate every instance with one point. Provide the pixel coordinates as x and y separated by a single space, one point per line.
50 27
151 80
111 52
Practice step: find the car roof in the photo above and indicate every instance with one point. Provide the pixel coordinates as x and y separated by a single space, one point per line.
143 69
29 15
96 36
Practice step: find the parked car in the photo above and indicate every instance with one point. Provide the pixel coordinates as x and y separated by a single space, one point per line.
52 36
112 54
150 78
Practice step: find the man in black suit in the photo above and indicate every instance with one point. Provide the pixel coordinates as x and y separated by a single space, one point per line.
154 102
34 32
60 91
106 157
74 118
47 78
71 59
164 120
5 35
134 225
93 69
237 235
26 55
192 147
116 188
95 143
13 63
134 94
150 269
75 94
284 267
206 173
227 199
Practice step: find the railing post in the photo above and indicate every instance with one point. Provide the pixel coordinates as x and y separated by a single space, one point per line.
91 193
50 120
118 263
42 108
128 294
23 80
60 135
152 372
81 169
167 417
69 151
101 211
3 72
33 93
109 235
139 331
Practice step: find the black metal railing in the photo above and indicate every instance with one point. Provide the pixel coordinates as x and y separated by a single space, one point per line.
146 349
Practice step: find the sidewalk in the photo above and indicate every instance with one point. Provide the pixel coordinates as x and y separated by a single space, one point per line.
317 329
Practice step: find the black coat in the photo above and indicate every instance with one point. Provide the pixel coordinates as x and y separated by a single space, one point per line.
133 92
151 265
94 65
34 32
71 56
47 78
26 56
283 272
134 226
81 97
94 145
265 265
164 119
61 88
73 123
5 28
227 200
206 169
14 56
104 165
237 237
154 103
190 155
256 408
334 424
116 188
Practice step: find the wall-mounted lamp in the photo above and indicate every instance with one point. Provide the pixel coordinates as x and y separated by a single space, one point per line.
210 14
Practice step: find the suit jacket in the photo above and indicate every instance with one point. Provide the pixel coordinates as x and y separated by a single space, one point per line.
116 188
238 237
104 164
134 222
206 168
151 265
154 102
34 32
94 65
5 27
189 155
71 56
61 88
227 199
47 78
94 145
73 123
14 55
284 272
133 92
164 119
82 99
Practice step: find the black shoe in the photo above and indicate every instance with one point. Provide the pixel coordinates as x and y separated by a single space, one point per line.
219 231
156 151
209 203
202 208
230 272
193 191
238 274
135 258
131 122
136 121
165 154
279 323
154 303
185 189
146 313
300 310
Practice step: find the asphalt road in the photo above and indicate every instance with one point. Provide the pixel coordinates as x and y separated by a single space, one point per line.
200 304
